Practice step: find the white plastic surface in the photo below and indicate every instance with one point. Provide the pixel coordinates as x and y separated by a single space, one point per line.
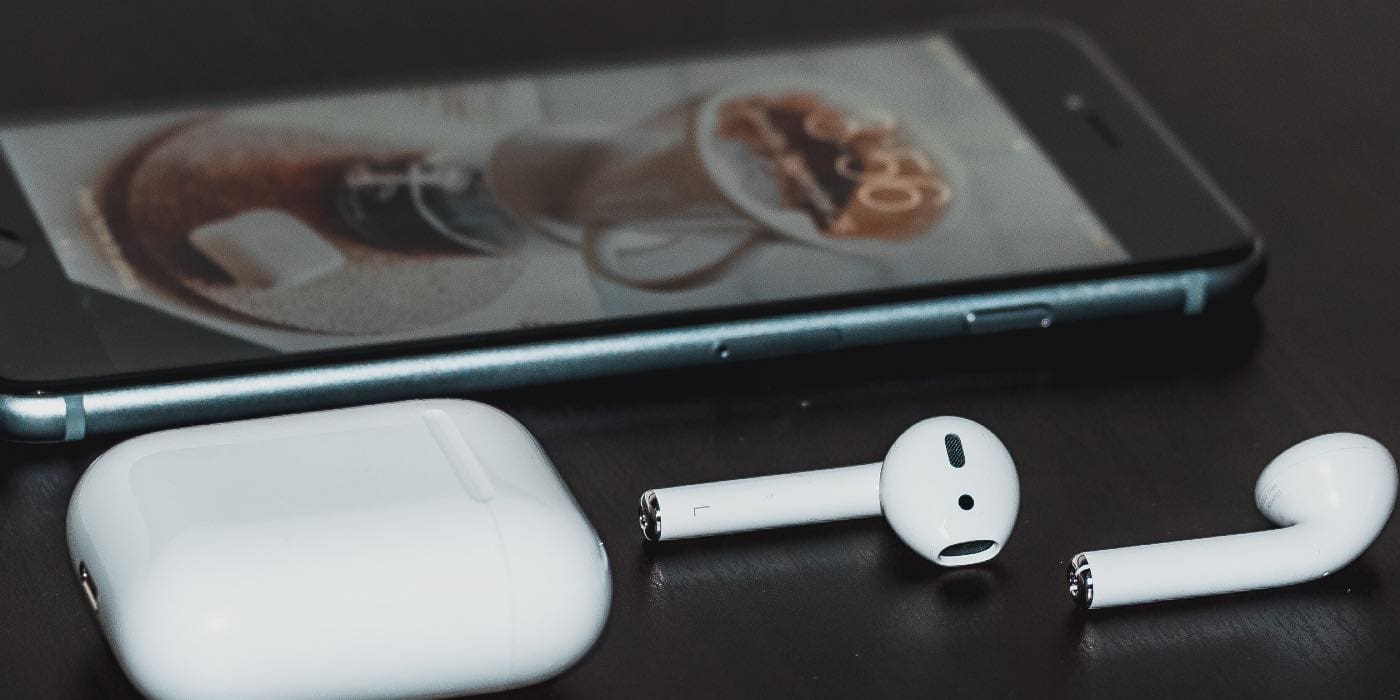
952 514
1332 495
764 502
410 549
936 507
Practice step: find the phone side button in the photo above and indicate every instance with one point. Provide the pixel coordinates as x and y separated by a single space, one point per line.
1010 318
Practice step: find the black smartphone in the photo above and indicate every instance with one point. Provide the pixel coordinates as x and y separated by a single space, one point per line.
213 261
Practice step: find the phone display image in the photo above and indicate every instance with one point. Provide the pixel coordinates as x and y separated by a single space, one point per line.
855 176
674 201
285 226
542 200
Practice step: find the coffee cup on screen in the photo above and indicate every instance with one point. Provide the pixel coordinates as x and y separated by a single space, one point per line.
797 159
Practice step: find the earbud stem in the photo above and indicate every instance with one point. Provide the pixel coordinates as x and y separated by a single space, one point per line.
1170 570
761 502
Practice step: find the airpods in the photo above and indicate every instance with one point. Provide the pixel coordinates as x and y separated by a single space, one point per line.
948 488
1330 495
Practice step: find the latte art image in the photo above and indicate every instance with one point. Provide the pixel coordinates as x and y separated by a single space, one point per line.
855 178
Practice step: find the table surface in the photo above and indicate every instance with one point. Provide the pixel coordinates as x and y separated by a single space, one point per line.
1124 433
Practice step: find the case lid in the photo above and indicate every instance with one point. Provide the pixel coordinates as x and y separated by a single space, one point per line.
424 547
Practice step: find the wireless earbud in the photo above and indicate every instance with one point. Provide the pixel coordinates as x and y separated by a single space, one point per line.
948 488
1330 495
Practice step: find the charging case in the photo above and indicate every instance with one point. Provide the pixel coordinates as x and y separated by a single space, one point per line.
411 549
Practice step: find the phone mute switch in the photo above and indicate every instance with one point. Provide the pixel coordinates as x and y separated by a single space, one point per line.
1009 318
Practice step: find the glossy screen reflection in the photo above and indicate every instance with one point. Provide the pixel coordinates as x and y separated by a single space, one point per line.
557 198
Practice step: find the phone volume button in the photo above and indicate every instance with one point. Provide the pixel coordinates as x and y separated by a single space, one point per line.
1008 318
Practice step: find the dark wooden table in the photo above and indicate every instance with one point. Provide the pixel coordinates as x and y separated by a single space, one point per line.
1124 433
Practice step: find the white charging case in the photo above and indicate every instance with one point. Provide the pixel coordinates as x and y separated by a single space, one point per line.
410 549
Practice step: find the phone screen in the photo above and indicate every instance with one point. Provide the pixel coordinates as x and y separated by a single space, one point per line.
551 199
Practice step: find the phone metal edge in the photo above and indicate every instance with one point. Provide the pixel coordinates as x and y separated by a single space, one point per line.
58 417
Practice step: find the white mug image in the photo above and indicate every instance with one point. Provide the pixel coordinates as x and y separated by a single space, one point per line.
675 200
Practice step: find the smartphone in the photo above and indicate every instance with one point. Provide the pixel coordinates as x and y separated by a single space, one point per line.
213 261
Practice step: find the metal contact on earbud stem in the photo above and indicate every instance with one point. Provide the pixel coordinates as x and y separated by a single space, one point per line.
649 516
1081 581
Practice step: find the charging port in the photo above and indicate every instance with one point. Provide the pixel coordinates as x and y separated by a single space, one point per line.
89 587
